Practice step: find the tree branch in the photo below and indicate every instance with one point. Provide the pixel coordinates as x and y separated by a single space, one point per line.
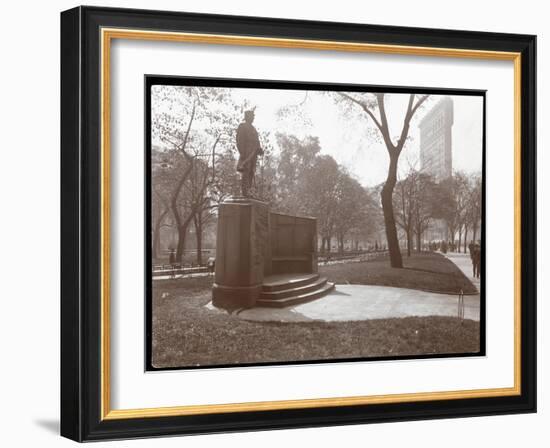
418 104
384 129
411 109
364 107
186 138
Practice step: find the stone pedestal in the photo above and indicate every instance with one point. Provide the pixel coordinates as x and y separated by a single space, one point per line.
242 251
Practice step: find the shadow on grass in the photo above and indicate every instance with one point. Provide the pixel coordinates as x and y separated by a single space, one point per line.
426 271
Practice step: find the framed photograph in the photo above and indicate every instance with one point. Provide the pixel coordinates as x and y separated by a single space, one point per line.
273 223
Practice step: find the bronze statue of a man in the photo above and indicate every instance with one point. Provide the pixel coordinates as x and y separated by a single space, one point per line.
249 148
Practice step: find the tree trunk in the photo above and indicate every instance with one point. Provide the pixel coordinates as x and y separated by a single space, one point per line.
451 235
465 238
396 260
459 240
181 225
409 243
156 233
198 234
180 247
326 244
419 241
156 241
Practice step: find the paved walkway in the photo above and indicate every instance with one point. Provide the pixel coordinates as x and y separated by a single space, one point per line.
464 263
363 302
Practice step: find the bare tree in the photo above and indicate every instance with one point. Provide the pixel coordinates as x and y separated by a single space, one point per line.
375 110
473 208
455 198
423 207
160 199
404 203
161 208
190 123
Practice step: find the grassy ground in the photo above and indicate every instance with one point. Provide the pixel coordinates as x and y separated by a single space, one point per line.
426 271
185 333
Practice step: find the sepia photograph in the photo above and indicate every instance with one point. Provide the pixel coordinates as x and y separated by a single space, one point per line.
294 223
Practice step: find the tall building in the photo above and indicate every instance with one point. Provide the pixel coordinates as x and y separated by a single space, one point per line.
436 157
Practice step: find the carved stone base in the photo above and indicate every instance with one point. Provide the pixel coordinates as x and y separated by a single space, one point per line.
234 297
241 250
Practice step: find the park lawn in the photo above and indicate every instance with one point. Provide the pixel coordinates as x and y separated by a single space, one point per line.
427 271
186 333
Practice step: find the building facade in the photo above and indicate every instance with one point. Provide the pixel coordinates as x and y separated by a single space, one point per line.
436 155
436 146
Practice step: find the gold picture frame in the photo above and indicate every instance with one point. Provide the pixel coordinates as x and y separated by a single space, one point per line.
109 25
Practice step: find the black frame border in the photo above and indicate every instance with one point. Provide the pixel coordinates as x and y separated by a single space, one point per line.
81 223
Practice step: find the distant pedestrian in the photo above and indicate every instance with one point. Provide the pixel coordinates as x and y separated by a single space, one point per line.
172 257
172 261
211 263
471 247
476 260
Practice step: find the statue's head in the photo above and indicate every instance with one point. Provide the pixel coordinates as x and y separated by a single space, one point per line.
249 116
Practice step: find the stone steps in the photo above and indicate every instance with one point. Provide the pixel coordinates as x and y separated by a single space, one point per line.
282 282
278 293
294 290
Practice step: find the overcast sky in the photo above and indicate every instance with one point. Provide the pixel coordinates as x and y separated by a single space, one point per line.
347 137
351 137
